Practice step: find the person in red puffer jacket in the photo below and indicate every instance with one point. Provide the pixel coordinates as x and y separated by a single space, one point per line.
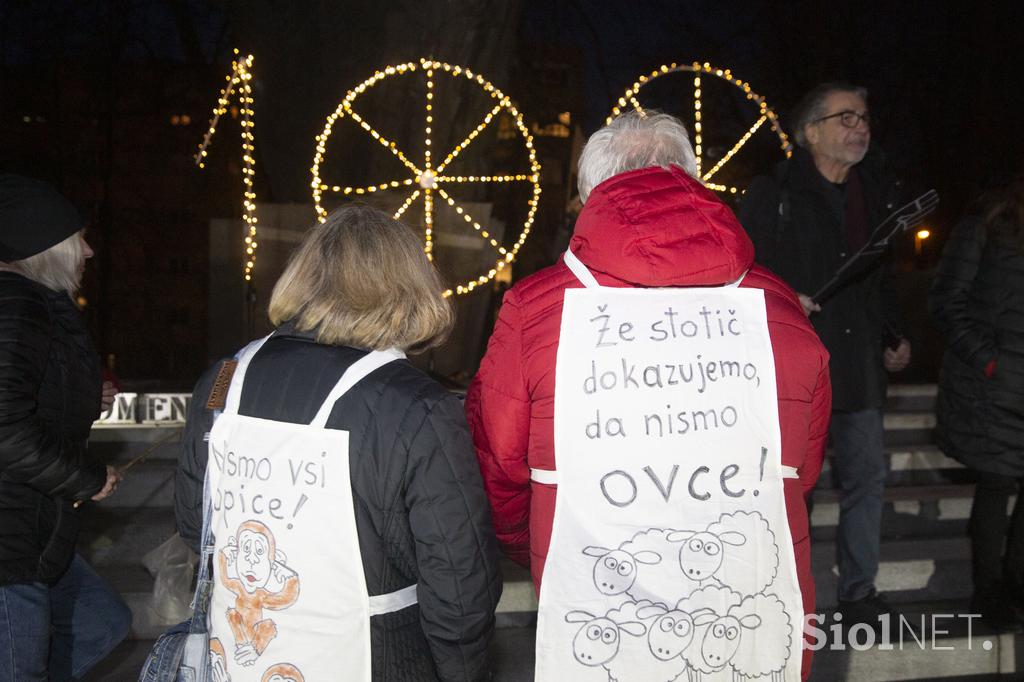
646 222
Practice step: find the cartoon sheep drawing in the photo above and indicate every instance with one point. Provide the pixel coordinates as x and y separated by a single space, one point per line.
722 637
702 552
749 636
616 570
767 649
655 582
654 658
597 642
748 567
714 601
671 630
635 662
738 550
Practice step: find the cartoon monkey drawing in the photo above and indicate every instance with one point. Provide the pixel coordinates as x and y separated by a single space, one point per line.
218 662
283 672
254 570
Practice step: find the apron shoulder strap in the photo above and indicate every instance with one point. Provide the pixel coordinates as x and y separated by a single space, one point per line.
587 279
353 375
243 356
583 274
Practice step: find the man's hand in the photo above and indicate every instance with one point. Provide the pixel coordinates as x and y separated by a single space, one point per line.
113 478
107 397
808 304
896 360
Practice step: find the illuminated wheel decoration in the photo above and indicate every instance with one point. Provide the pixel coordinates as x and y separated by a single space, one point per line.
427 179
703 75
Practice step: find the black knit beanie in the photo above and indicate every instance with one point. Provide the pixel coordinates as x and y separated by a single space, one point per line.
33 217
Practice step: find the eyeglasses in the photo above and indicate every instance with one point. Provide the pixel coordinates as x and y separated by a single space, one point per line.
849 119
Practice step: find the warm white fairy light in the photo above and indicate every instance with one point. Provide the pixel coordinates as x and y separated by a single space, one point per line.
698 70
487 178
698 146
732 152
406 204
238 83
469 138
469 219
428 180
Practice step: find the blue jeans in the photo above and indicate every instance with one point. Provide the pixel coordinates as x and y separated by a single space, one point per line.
859 463
59 632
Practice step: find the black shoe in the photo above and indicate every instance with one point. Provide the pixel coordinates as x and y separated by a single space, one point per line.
872 610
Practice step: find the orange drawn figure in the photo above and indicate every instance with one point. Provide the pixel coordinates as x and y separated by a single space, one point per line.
254 569
218 662
283 672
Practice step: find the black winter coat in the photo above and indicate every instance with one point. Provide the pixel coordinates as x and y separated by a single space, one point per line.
977 302
795 217
49 398
421 512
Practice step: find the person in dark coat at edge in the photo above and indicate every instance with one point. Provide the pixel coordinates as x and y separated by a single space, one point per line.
977 303
805 219
646 222
59 618
361 281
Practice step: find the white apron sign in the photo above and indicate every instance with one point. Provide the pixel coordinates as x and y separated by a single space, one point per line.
289 601
671 556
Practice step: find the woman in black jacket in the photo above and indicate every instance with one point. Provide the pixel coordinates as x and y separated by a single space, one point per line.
60 617
413 514
977 302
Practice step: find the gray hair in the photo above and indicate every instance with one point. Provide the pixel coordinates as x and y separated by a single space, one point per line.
812 106
633 141
58 268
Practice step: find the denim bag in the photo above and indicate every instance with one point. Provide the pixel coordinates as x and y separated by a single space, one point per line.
182 653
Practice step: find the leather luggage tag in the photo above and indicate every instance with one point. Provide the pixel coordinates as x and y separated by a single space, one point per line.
219 395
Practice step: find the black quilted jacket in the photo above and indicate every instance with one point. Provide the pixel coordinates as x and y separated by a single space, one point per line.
421 511
977 302
795 219
49 397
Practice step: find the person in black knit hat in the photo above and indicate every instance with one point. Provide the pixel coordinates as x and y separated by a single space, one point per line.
65 617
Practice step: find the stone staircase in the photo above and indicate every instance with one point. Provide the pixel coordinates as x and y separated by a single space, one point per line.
925 568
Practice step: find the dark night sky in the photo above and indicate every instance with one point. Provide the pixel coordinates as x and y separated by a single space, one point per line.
945 83
945 90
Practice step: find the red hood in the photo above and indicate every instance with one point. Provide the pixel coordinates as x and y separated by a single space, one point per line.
659 227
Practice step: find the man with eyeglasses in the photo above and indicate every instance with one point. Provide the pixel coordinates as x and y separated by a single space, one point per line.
805 219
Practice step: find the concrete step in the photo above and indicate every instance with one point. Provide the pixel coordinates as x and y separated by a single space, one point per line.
909 428
914 465
911 398
910 570
909 512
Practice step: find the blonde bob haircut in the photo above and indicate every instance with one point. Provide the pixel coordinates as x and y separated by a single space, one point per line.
58 267
361 279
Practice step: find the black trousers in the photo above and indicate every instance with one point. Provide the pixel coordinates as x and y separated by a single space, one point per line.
997 540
